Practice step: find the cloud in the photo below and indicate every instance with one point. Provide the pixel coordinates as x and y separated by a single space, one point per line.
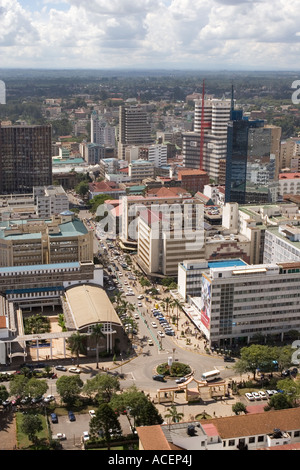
150 33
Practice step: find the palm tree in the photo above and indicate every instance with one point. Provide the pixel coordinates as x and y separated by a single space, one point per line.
173 414
168 302
97 334
176 303
76 344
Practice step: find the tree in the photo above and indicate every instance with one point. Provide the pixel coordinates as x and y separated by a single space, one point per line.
103 386
97 335
105 420
36 387
69 388
31 425
82 188
239 407
138 405
77 343
17 385
173 414
3 393
252 358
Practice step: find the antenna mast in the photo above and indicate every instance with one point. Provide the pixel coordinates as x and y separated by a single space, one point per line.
202 128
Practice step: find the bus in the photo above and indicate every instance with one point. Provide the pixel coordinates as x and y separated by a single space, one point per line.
211 375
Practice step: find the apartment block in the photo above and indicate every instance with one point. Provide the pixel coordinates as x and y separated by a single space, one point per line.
50 200
138 170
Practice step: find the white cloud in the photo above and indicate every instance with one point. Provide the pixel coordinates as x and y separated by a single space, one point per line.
150 33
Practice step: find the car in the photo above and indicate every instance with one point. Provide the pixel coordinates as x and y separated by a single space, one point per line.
161 334
85 435
140 304
71 416
75 370
6 403
37 399
256 395
269 393
92 413
181 380
62 368
153 324
136 315
59 436
49 398
229 359
25 400
249 396
170 332
263 395
159 378
140 297
54 418
150 342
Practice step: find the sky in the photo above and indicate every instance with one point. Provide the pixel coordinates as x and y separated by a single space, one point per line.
150 34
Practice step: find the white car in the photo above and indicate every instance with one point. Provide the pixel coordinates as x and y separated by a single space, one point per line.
256 395
153 324
92 413
59 436
136 315
249 396
161 334
75 370
140 304
269 393
49 398
263 395
140 297
85 435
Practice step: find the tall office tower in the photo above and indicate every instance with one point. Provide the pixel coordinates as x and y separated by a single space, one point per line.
101 132
134 128
216 115
25 158
237 157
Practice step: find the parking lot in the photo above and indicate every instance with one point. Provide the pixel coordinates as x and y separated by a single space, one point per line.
74 430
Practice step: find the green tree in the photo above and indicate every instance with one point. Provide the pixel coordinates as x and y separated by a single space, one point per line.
36 387
239 407
31 425
69 388
280 401
173 414
82 188
103 386
77 345
3 393
97 335
17 385
105 420
138 405
252 358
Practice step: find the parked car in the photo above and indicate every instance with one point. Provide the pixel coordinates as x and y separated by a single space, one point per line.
71 416
170 332
75 370
150 342
49 398
85 435
153 324
37 399
140 297
92 413
263 395
161 334
256 395
62 368
269 393
249 396
54 418
229 359
181 380
159 378
59 436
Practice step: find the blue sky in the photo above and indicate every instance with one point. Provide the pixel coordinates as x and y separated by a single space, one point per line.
181 34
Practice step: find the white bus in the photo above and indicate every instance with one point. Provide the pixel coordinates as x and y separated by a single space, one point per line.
211 375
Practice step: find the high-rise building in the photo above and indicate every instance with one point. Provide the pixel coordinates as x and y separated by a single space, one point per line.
134 128
216 115
101 132
25 158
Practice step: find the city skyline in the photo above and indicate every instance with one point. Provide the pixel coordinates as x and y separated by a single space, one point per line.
184 34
